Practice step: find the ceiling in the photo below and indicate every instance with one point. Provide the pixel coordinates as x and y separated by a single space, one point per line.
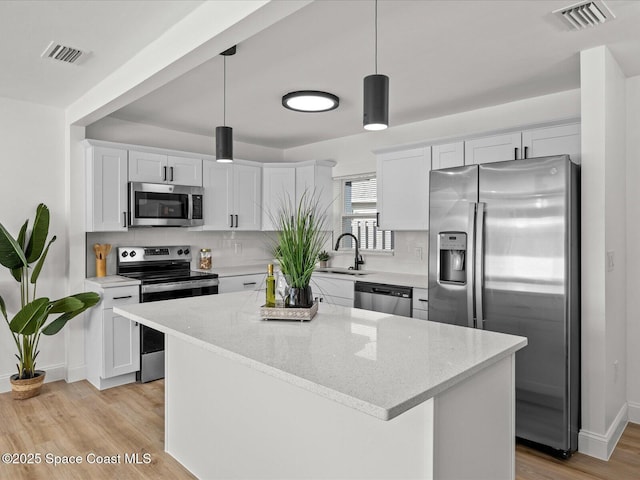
442 57
112 31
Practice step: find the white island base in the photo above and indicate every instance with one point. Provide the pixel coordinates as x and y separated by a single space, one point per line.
228 420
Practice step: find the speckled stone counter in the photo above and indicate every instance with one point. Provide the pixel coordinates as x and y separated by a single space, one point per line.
350 394
378 363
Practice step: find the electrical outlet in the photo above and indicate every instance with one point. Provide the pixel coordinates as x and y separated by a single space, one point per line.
418 253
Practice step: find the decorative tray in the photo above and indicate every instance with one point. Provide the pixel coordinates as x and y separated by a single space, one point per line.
288 313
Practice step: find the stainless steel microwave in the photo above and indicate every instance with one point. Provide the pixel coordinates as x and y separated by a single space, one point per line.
165 205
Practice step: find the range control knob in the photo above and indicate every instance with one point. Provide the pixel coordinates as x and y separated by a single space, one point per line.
180 252
186 251
125 254
133 253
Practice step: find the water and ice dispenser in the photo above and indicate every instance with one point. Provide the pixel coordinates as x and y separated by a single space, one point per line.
452 252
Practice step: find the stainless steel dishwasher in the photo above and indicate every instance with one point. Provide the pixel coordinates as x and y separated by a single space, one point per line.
381 297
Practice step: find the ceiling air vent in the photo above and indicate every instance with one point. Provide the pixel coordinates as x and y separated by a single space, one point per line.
55 51
586 14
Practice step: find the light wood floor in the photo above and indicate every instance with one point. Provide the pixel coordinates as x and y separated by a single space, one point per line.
76 419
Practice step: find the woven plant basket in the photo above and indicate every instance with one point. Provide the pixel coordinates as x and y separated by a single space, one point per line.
27 388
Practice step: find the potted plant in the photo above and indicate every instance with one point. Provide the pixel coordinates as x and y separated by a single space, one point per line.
323 258
30 322
301 236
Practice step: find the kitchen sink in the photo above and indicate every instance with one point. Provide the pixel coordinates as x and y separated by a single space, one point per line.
342 271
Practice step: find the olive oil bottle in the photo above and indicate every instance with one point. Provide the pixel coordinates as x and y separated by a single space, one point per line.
271 287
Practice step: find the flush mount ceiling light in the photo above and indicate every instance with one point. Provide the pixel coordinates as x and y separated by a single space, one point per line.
310 101
224 134
376 93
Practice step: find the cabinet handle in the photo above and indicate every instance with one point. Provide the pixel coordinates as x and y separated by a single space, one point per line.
515 153
171 173
378 219
231 217
526 152
165 174
124 219
236 220
123 297
423 300
246 284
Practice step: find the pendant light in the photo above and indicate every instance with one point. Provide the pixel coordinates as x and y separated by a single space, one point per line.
224 134
376 93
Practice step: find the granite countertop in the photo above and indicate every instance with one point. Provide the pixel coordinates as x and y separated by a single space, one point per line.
377 363
112 281
391 278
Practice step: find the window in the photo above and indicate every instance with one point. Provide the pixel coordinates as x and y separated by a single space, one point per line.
359 216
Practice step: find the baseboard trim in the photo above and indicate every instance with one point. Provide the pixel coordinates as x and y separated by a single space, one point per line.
602 446
634 412
76 374
54 373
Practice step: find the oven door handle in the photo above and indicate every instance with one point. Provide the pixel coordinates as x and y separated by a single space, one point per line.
167 287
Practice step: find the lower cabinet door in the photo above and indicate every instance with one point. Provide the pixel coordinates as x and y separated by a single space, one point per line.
121 348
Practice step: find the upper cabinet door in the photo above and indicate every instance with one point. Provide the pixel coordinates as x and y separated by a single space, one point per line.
218 195
496 148
247 186
106 189
147 167
558 140
185 171
447 155
279 188
403 189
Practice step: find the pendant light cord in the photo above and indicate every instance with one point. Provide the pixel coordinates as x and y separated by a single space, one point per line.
224 90
376 35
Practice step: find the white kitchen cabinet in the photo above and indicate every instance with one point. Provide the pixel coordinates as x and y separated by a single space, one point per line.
420 307
553 140
160 168
317 179
232 196
403 189
106 192
331 290
278 189
240 283
494 148
112 341
447 155
284 183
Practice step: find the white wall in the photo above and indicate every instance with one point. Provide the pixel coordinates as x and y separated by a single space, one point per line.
32 139
604 361
633 243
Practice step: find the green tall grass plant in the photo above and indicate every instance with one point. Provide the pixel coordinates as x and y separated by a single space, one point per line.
302 235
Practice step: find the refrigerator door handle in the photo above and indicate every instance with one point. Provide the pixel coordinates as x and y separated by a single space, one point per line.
479 264
471 228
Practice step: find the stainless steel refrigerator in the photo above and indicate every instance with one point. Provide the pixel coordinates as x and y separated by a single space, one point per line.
504 256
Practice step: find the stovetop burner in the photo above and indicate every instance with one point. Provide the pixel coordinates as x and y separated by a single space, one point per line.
153 265
168 276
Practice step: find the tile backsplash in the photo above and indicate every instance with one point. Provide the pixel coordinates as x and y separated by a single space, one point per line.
239 248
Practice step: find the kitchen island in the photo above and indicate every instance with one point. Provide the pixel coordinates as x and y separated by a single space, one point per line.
350 394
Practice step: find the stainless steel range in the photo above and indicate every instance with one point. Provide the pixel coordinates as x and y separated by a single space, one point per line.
165 273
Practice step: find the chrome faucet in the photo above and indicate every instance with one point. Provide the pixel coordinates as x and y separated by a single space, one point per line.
358 258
